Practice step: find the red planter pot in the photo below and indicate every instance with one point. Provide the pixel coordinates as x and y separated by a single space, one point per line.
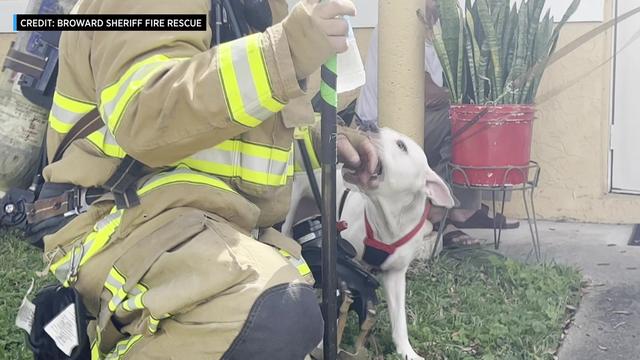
496 150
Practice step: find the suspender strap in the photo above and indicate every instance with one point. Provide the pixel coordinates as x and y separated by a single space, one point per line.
123 182
88 124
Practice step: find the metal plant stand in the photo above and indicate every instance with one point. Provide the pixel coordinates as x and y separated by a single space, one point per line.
530 172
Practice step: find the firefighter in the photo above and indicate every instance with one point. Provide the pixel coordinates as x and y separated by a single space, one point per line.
184 263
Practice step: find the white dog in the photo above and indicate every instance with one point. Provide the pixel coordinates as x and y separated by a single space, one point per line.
387 224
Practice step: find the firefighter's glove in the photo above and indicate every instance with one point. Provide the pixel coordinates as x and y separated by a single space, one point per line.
316 31
359 156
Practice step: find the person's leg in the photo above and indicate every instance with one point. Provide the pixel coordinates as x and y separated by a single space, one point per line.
219 294
437 145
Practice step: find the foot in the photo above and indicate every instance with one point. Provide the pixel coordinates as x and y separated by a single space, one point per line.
480 219
409 354
453 238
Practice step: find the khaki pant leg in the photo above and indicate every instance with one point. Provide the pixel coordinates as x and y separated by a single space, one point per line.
256 302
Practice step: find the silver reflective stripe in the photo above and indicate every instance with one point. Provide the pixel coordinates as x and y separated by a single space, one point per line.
117 299
177 171
248 91
113 283
242 160
100 225
62 271
65 116
144 71
183 174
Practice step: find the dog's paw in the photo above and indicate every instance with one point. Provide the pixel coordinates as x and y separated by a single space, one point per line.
410 355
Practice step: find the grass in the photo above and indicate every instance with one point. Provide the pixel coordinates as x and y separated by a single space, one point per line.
465 305
18 264
473 304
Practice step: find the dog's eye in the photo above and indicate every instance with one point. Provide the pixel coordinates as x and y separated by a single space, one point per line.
402 145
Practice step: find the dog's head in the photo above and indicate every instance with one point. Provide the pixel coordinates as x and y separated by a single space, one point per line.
404 168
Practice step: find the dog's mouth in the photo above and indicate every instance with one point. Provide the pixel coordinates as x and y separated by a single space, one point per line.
379 170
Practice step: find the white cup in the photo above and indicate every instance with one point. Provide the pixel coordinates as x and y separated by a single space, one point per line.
351 73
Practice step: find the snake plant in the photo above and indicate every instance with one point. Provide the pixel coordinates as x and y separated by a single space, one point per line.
493 52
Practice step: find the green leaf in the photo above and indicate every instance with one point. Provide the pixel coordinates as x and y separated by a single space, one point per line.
534 24
509 40
450 25
460 76
438 44
482 74
537 70
492 41
473 55
514 82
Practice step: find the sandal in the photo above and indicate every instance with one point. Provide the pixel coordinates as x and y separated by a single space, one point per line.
457 238
481 220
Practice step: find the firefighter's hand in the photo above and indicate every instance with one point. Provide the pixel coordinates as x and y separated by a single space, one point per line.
360 160
316 31
328 17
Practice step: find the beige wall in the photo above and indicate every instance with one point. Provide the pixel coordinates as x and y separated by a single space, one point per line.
571 135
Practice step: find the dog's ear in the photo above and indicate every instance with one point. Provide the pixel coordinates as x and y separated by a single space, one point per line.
438 191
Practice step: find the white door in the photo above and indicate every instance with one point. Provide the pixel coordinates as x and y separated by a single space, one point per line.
625 131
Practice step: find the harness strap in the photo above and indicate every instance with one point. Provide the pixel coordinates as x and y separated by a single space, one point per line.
122 182
371 241
88 124
69 202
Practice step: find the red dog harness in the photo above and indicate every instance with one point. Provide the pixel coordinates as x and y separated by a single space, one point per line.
376 252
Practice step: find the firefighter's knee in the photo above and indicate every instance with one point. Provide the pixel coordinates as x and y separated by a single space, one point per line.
285 322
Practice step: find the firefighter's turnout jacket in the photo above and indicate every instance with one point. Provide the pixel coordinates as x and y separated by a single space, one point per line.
181 275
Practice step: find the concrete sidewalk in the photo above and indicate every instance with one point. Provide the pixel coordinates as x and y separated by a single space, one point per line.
607 325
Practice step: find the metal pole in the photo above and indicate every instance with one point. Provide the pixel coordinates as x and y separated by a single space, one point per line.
329 233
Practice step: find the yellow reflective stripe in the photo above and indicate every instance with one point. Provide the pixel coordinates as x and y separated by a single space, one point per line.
260 75
91 245
106 142
69 104
134 303
255 150
182 174
115 98
65 112
122 347
115 284
233 171
300 264
305 134
117 299
153 324
259 164
99 238
62 267
95 346
231 89
245 81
